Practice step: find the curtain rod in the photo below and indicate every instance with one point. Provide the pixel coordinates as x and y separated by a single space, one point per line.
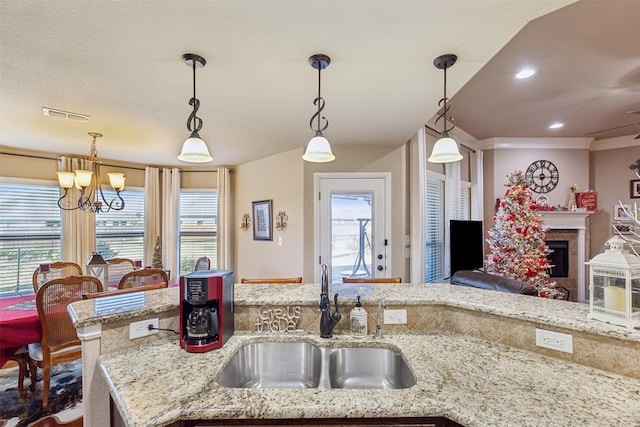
34 156
438 132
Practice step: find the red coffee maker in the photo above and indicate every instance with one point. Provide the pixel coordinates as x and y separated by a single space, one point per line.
206 310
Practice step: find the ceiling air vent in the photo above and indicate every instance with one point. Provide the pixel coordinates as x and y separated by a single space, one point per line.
51 112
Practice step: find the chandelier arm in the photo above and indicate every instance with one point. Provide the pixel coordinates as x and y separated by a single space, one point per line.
115 205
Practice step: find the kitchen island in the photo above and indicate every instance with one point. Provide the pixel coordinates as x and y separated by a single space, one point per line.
471 378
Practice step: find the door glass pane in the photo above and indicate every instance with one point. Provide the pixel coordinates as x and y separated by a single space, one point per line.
351 235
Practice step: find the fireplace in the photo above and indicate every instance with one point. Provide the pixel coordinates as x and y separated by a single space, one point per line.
573 227
559 257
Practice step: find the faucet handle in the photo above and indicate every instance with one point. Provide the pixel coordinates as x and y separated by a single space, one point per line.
335 302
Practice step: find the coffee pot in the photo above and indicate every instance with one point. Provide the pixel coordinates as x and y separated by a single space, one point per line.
202 323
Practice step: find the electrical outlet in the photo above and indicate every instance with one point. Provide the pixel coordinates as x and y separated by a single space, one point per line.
554 340
141 328
395 317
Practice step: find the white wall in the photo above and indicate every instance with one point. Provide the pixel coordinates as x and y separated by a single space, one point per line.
278 178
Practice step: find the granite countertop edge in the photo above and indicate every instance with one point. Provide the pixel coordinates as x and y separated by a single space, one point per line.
468 380
562 314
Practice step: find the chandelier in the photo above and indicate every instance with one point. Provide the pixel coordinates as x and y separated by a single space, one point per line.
89 183
446 148
318 149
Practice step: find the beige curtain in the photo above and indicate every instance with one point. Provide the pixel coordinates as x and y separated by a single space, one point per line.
78 227
152 211
170 218
225 217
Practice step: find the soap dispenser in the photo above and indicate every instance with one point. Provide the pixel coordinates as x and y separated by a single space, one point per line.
358 320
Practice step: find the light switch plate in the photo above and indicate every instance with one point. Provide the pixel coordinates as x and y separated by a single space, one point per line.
141 328
554 340
395 317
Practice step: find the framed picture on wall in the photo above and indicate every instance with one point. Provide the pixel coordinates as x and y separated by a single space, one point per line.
635 189
619 213
262 227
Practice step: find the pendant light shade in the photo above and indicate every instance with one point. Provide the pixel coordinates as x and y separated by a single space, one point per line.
318 149
445 151
194 149
446 148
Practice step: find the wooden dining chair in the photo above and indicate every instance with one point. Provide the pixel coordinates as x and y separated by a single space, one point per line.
273 280
117 268
56 270
372 280
21 358
203 263
145 276
60 341
125 291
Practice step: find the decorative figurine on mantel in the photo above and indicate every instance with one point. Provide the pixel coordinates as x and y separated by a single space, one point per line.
572 205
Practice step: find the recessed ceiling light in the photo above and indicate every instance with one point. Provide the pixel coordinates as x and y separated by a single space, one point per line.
525 73
556 125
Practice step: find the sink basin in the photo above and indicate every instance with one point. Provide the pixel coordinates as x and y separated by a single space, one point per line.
273 364
305 365
369 368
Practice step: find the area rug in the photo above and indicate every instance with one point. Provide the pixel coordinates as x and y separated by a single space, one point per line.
65 392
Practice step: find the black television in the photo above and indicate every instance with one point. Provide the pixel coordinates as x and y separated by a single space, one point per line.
466 245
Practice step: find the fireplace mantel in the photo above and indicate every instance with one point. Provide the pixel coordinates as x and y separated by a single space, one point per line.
572 221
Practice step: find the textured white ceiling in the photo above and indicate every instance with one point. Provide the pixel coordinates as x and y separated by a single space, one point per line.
120 63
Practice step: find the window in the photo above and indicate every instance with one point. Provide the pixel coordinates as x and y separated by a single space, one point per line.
120 234
464 203
198 228
434 227
29 232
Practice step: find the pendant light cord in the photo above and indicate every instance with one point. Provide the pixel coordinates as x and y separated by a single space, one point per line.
319 102
445 103
197 121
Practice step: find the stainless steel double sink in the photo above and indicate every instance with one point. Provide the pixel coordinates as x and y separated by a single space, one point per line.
306 365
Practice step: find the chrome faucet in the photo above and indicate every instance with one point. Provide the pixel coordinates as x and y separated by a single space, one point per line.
327 320
381 304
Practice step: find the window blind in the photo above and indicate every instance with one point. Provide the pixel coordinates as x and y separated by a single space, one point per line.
434 227
198 228
120 234
29 232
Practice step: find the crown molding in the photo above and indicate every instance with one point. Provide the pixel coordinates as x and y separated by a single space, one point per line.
536 143
618 142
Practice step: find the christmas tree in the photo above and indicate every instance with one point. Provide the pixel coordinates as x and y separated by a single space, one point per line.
518 250
157 254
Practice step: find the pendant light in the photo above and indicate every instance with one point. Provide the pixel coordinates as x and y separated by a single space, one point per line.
446 149
318 148
194 149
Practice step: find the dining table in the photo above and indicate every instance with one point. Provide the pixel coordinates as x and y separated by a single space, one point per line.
19 324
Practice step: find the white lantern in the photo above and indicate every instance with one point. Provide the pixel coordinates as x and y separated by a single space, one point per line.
614 285
98 267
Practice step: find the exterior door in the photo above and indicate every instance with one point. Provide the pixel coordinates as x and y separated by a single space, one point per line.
352 224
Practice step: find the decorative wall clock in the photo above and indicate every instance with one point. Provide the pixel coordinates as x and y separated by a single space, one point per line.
543 176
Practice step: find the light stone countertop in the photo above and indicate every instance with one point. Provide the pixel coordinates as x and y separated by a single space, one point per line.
470 381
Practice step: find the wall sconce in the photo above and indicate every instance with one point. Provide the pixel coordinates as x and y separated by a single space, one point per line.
245 222
281 220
